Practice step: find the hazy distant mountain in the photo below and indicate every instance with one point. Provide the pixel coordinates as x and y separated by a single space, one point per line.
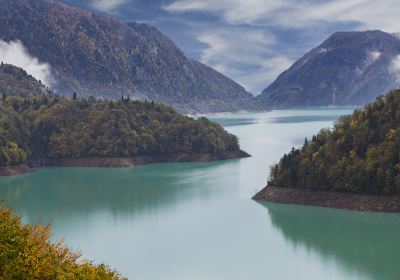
349 68
101 56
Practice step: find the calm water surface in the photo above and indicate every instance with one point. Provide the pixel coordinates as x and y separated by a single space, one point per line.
197 221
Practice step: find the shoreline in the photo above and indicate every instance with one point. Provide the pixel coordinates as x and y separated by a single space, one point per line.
330 199
15 170
120 161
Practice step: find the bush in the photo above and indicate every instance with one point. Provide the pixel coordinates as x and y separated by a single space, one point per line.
26 252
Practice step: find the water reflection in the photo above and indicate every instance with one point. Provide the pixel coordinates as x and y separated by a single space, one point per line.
360 242
51 193
227 122
302 119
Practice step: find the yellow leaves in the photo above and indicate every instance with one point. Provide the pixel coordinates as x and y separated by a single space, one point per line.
353 123
353 154
391 135
27 253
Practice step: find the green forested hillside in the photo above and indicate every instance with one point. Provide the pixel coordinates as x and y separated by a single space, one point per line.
53 127
47 126
361 154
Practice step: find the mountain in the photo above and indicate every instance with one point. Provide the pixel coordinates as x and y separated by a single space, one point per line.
42 128
361 154
349 68
99 56
16 82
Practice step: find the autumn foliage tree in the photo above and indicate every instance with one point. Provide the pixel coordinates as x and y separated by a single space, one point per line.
361 154
26 252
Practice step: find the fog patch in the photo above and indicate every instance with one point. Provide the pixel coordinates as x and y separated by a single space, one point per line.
395 67
15 53
374 56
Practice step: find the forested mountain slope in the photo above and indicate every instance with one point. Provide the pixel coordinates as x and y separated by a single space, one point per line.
99 56
17 82
43 125
349 68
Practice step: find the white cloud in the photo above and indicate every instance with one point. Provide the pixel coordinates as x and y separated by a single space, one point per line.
255 58
298 13
107 5
243 55
395 67
373 56
234 11
15 53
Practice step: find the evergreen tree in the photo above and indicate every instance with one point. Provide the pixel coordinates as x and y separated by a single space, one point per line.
360 154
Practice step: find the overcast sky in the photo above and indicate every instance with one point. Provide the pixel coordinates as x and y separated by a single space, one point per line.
251 41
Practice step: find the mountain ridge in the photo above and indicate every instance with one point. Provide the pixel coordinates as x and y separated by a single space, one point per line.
348 68
98 55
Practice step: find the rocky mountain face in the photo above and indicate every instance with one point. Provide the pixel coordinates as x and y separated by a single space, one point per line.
349 68
101 56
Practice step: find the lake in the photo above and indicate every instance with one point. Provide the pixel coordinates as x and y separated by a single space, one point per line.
197 221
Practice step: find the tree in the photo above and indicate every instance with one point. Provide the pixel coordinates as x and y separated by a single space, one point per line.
64 128
360 154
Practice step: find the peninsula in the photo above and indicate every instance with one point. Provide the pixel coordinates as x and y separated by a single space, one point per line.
355 165
39 128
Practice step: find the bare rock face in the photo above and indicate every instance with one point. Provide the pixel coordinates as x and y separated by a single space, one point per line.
349 68
103 57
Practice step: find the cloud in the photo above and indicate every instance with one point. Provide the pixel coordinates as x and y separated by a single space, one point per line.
234 11
395 67
15 53
367 14
243 55
107 5
257 39
373 56
298 13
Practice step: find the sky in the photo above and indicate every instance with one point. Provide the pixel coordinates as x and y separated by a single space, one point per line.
251 41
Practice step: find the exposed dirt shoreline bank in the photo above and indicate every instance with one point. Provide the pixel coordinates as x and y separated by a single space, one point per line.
340 200
120 161
15 170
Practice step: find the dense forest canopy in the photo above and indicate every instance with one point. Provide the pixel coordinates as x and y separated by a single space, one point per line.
361 154
53 127
44 125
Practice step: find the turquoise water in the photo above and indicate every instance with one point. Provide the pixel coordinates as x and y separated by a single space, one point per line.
197 221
